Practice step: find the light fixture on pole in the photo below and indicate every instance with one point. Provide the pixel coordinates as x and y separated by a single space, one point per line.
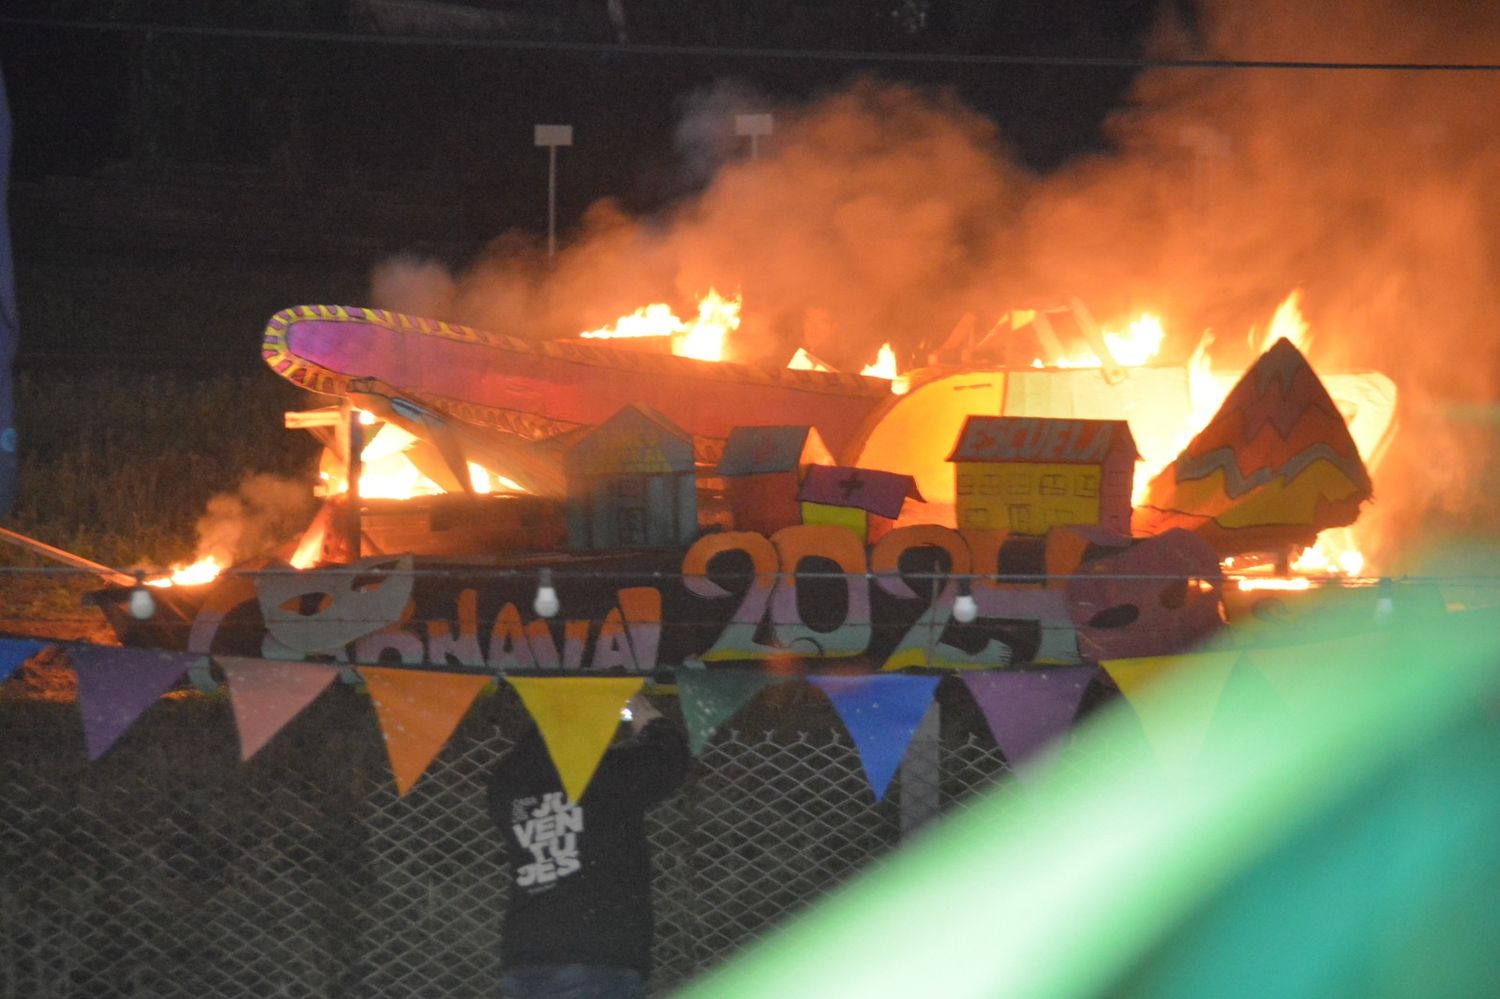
753 125
552 136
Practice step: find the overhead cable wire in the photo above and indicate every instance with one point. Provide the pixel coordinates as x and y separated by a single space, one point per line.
745 52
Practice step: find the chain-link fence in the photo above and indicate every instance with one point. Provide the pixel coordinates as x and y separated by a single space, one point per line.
170 868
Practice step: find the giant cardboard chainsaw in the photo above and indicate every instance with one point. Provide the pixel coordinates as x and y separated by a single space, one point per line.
509 397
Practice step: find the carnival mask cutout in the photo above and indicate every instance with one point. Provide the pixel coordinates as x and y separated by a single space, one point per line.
323 610
1159 596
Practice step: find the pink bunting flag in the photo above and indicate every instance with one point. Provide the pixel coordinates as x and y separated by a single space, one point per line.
267 693
418 711
881 712
116 685
1028 709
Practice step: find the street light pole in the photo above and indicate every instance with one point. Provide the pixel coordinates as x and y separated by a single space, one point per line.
552 136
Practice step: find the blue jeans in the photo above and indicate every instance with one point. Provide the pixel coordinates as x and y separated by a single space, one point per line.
571 981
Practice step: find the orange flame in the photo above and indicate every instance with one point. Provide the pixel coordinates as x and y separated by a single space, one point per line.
1333 554
803 361
1249 583
703 338
1138 346
204 570
656 319
1287 322
885 364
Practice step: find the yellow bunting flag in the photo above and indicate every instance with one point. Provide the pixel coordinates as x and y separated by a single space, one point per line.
418 711
577 716
1174 697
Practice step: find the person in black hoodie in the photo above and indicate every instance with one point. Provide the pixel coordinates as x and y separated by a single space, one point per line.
579 924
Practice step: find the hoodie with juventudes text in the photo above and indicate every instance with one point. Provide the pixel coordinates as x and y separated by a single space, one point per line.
581 871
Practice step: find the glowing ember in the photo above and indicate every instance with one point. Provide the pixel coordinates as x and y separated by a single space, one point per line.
703 338
885 364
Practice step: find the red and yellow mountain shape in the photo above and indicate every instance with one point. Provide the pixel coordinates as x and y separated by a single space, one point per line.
1275 465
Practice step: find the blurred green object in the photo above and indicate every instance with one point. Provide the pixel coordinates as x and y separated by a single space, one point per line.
1336 832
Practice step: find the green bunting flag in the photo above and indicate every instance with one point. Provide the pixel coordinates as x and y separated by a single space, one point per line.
1174 725
710 696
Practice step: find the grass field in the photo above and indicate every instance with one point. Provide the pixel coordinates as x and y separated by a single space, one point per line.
119 467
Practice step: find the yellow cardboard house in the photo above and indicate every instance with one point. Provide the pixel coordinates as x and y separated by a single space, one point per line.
1028 474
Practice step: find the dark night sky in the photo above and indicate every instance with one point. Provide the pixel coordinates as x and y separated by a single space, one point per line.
82 98
281 164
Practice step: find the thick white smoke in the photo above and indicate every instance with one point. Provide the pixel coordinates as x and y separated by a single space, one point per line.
263 512
883 213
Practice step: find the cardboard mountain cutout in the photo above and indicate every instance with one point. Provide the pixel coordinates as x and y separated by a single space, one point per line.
1275 465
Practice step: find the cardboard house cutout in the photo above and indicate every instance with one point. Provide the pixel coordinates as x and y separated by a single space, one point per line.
863 500
631 484
763 468
1026 475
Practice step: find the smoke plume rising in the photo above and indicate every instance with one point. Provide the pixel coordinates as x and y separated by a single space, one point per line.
884 213
263 512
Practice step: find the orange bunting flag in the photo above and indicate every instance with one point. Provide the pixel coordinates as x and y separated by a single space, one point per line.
267 693
418 711
1174 697
578 717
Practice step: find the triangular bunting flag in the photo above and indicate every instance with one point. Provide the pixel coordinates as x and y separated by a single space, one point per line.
1295 671
418 711
577 716
1027 709
15 651
268 693
1247 704
710 696
115 685
1174 714
881 713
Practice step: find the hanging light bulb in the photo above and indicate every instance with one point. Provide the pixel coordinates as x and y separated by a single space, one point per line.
1385 603
965 608
546 603
142 606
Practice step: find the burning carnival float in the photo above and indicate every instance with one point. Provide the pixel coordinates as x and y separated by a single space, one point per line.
1045 492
